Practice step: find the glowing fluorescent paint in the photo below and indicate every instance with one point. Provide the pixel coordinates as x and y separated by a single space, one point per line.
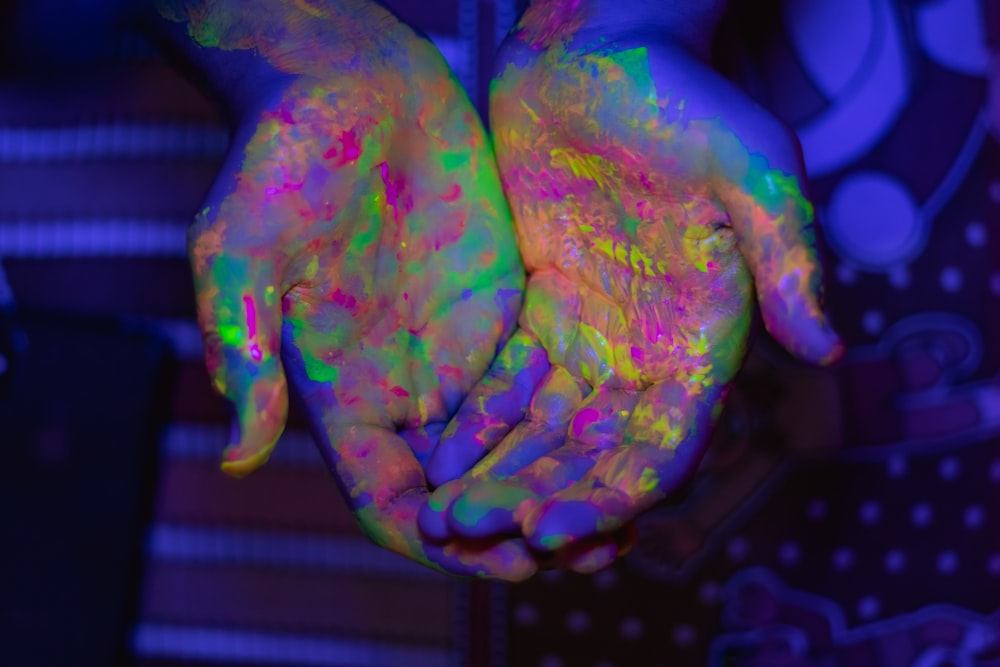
647 224
359 241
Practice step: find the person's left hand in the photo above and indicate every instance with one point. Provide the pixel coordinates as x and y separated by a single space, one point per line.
647 222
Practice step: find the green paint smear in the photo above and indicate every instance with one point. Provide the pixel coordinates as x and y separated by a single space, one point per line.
320 371
775 190
451 161
631 225
635 63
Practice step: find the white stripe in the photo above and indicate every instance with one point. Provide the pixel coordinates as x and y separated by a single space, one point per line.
228 546
120 140
506 14
6 293
167 641
468 32
93 238
205 443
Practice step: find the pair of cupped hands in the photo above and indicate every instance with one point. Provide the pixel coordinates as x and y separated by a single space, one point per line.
508 346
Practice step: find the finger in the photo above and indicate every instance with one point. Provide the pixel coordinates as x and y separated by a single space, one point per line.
239 313
544 428
509 493
664 441
594 554
385 486
558 397
774 225
491 410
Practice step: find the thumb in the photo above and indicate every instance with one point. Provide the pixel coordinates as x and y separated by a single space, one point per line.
239 313
773 222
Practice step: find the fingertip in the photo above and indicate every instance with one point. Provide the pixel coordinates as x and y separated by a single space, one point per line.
254 449
433 524
596 553
554 525
801 327
517 563
522 573
237 463
810 340
594 558
489 509
262 410
507 559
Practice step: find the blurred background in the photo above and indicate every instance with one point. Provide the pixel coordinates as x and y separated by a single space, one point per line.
844 517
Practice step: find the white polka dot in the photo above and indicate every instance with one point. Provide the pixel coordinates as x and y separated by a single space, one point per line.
973 517
872 321
789 553
709 593
921 514
872 220
868 607
995 472
975 234
550 661
870 512
899 277
954 40
895 560
577 621
846 275
947 562
949 468
978 639
738 548
816 509
896 466
993 565
995 284
630 628
525 614
684 635
951 279
605 580
843 559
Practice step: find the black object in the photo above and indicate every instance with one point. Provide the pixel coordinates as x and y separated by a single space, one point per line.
78 432
12 343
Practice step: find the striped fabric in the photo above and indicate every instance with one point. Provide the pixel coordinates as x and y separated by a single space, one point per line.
98 182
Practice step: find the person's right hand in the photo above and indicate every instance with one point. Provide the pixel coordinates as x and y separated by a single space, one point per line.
358 242
652 200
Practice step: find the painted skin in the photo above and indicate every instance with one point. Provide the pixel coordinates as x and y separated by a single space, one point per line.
357 243
651 201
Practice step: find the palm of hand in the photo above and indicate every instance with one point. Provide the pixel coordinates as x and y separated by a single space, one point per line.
364 247
634 222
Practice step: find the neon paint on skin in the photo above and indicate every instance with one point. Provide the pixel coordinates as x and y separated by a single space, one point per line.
645 225
361 243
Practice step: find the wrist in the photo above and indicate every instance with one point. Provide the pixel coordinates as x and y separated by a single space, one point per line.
243 51
690 23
